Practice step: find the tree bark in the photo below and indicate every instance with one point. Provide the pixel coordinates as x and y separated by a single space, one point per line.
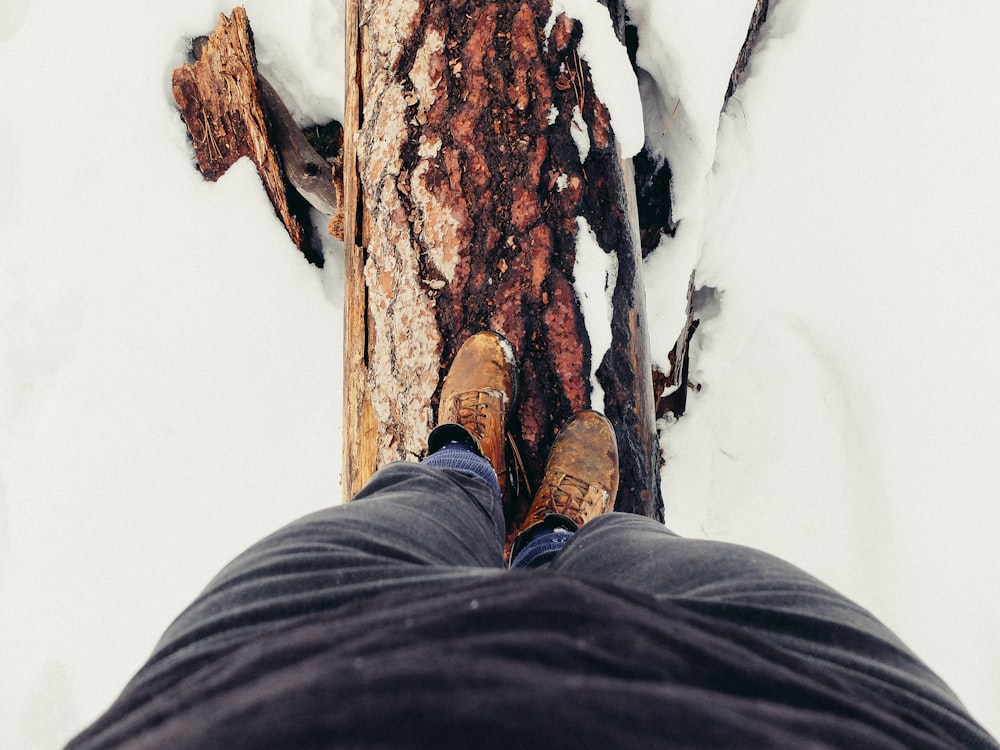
471 202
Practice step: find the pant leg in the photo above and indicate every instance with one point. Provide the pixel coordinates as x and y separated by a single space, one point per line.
767 597
411 524
643 554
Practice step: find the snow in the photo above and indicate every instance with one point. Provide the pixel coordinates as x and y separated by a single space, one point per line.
686 55
170 368
595 275
689 50
846 419
581 135
300 48
610 70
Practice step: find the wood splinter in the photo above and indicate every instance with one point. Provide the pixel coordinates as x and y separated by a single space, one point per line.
231 112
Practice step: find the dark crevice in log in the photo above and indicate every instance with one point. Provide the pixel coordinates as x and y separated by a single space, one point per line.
652 176
653 192
311 245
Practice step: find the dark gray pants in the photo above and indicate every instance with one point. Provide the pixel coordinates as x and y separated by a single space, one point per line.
414 525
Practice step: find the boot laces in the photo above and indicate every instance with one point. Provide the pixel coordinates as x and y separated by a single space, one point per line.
473 413
569 488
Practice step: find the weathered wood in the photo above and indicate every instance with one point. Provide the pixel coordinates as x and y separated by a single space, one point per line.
476 196
671 389
311 175
753 32
359 420
219 101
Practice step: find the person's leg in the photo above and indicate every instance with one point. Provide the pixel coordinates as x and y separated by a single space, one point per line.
642 554
763 594
411 524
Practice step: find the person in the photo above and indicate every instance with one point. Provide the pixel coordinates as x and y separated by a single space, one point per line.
394 621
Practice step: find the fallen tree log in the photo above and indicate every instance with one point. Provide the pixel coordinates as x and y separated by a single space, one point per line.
484 189
489 168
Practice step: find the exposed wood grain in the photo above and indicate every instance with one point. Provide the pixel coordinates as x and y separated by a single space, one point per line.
359 423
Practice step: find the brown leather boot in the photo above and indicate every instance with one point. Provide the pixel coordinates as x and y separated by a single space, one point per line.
581 476
478 393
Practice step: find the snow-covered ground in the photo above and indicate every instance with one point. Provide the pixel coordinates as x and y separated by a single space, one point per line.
170 375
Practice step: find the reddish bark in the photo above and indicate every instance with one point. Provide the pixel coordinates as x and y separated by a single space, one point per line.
472 185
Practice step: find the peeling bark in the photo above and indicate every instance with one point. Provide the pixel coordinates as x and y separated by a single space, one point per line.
220 103
231 111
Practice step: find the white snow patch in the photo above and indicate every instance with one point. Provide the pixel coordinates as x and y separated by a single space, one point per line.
508 352
858 270
687 51
614 81
595 274
581 134
299 49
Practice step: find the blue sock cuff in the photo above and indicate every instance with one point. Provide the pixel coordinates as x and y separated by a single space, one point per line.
459 457
541 549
